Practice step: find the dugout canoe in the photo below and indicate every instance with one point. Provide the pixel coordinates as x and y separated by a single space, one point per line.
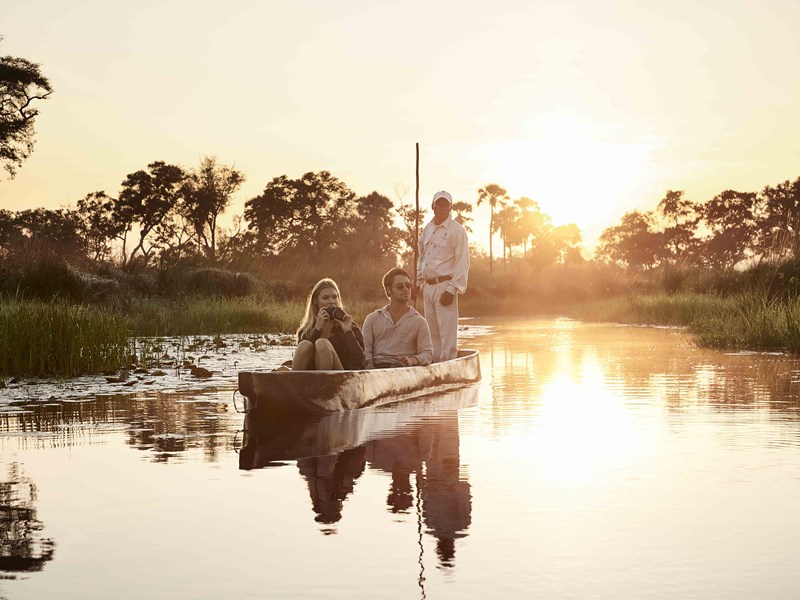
337 391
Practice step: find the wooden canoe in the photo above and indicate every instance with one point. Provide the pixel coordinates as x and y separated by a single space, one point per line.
269 440
336 391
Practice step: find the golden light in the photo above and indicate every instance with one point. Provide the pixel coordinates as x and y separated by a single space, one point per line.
576 170
583 430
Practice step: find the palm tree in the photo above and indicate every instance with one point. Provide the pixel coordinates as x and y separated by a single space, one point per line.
496 197
507 223
525 204
461 208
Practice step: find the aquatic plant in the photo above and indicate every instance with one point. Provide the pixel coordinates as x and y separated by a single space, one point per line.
58 339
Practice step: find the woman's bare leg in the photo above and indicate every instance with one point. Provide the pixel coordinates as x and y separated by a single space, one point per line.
325 356
303 359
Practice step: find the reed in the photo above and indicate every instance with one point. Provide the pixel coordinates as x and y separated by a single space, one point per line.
751 319
58 339
215 316
211 316
754 321
684 309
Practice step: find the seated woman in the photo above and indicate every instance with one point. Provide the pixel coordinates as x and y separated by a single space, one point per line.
327 338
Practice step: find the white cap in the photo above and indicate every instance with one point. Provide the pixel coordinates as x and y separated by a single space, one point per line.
444 195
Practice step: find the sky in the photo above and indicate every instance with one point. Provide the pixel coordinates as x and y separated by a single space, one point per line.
590 108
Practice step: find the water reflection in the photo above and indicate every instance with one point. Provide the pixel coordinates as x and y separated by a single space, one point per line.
430 454
330 480
528 358
164 424
22 547
416 443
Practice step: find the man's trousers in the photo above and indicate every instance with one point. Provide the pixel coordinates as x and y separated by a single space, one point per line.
442 321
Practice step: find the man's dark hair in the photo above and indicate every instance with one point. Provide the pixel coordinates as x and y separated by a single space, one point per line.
390 275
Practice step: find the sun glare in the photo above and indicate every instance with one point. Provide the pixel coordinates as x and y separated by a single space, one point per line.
584 429
574 169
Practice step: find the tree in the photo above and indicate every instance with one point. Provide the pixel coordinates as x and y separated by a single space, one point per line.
10 236
566 240
50 234
408 214
211 186
730 220
461 209
373 228
632 242
533 223
681 218
21 84
496 197
148 198
100 226
309 215
779 221
507 224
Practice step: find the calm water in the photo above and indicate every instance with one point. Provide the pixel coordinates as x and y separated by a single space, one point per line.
592 461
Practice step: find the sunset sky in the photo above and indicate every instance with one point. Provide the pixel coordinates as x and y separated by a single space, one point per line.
590 108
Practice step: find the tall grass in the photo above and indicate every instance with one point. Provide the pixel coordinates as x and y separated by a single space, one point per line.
749 320
188 316
212 316
684 309
752 320
55 338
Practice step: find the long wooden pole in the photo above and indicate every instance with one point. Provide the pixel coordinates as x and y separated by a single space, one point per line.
416 224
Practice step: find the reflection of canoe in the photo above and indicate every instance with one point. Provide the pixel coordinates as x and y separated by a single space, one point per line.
334 391
291 437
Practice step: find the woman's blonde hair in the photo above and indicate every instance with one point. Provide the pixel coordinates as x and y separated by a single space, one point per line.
312 307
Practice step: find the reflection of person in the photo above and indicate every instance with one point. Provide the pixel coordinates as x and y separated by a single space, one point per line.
331 479
327 340
442 265
446 497
445 494
396 335
401 456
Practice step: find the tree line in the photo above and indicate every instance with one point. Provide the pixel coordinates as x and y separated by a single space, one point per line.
165 214
720 233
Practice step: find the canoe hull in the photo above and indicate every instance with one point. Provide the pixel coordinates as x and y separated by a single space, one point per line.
271 440
336 391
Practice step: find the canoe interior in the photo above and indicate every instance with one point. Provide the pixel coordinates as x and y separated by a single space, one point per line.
336 391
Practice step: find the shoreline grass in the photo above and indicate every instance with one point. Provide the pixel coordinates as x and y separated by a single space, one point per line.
749 320
58 339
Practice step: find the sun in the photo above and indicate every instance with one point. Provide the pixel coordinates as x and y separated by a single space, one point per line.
574 169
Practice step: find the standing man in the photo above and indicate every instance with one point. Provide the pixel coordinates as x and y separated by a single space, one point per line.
396 335
442 266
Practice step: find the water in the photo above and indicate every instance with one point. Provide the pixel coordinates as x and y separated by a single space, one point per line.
592 461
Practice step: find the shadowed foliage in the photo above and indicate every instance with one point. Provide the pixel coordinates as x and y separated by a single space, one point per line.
22 84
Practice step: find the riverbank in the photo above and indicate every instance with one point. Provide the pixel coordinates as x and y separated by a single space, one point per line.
744 321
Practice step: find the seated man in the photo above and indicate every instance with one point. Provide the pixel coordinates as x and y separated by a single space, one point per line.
396 335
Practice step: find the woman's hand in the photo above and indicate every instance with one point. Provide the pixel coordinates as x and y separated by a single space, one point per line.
347 322
322 318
